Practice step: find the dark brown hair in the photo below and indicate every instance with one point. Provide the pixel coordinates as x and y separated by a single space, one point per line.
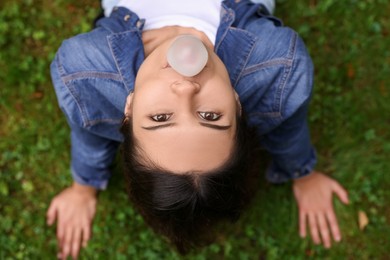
185 207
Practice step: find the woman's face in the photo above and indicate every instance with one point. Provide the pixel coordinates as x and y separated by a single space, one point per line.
183 124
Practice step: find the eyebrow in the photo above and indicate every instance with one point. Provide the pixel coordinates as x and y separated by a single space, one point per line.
217 127
212 126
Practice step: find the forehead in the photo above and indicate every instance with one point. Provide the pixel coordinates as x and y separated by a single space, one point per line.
189 149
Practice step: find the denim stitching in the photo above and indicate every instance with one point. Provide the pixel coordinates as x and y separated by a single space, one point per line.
265 114
92 74
116 62
103 120
248 55
71 90
266 64
280 90
291 54
230 15
109 37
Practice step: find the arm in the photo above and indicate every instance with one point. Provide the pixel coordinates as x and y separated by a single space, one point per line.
74 208
92 152
294 157
290 147
91 155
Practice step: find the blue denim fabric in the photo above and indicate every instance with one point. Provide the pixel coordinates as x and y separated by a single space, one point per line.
268 65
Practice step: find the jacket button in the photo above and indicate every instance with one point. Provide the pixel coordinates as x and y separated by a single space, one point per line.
127 17
139 24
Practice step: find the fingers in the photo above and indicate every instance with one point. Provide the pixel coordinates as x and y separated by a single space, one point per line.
313 228
51 214
314 198
60 234
70 239
341 192
322 226
74 211
66 245
80 238
76 243
324 230
334 226
319 229
86 235
302 224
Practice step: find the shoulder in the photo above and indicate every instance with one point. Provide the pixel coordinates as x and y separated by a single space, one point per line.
274 41
86 52
278 76
88 85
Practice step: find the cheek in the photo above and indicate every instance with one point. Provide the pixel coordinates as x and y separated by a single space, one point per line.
147 70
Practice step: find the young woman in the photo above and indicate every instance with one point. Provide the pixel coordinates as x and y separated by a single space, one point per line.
187 147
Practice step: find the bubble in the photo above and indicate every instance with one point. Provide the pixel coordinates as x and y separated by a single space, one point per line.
187 55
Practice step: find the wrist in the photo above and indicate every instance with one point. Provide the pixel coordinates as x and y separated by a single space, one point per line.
306 177
84 188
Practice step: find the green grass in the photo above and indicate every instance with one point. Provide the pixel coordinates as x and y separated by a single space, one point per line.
349 43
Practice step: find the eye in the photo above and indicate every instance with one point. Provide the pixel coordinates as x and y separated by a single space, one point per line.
209 116
161 117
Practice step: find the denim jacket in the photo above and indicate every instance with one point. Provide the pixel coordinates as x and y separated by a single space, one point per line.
268 66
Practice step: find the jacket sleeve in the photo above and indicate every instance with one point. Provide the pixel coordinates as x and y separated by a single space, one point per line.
289 142
91 154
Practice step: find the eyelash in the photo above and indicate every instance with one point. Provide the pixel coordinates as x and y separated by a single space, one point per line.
155 117
216 116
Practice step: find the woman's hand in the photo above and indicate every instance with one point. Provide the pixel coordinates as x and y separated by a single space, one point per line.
74 209
313 194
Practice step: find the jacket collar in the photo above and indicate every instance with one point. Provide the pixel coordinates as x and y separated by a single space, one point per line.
128 52
233 45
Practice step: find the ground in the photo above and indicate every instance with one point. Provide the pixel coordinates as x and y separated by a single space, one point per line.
349 118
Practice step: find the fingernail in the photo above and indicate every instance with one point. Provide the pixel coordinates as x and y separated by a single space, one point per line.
337 238
59 255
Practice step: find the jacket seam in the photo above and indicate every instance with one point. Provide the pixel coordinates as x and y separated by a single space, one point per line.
266 64
116 63
108 38
265 114
249 54
90 123
287 73
71 92
91 74
231 15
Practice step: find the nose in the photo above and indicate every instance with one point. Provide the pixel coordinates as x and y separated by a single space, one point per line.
185 87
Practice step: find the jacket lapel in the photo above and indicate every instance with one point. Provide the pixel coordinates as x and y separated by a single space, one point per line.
128 52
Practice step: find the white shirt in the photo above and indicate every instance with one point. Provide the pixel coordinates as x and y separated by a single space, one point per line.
203 15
